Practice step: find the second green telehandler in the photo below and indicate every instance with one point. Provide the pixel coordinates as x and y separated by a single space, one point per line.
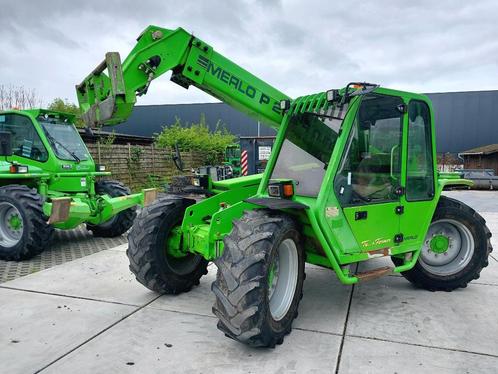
352 177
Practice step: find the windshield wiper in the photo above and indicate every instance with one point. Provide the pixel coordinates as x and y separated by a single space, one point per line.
55 141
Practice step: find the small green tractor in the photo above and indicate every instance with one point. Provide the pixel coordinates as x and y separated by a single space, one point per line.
232 159
49 180
352 177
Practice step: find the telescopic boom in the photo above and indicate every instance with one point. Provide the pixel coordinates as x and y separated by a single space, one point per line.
108 94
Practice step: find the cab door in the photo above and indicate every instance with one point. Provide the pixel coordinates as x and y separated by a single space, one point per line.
368 182
418 198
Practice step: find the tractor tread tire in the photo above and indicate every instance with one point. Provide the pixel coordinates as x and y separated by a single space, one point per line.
123 220
37 233
147 249
419 277
241 283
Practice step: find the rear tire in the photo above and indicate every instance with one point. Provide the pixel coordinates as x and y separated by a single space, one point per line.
467 252
147 250
253 307
24 232
121 222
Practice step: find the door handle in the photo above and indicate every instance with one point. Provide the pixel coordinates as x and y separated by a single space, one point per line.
392 161
361 214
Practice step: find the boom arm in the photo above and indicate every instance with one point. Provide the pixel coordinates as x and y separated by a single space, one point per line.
107 99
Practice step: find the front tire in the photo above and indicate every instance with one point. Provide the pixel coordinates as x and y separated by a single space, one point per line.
260 279
24 232
148 252
121 222
455 250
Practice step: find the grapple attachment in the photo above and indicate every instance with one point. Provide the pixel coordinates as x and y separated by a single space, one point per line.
103 97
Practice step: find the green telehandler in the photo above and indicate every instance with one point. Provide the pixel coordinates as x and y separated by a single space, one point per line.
49 180
352 177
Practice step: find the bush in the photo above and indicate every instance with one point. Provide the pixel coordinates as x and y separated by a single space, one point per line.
197 137
64 105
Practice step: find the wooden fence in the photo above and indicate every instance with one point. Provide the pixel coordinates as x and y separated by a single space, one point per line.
140 166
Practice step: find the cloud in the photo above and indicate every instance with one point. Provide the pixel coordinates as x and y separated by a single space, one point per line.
299 47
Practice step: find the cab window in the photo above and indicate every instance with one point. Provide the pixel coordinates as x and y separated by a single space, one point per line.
25 140
420 166
370 168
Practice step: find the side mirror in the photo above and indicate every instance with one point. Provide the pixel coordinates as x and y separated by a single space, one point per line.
177 158
5 143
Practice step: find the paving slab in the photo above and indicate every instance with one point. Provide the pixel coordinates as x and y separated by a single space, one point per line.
101 276
374 356
154 341
67 245
323 307
489 275
36 329
120 248
390 308
492 223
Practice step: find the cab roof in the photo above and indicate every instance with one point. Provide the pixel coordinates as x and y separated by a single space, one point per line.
41 112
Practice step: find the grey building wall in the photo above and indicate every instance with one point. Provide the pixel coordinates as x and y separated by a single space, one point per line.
146 120
464 120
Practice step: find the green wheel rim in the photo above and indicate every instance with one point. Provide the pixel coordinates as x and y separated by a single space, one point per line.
448 248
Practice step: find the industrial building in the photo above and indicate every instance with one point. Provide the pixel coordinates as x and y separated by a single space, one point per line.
464 120
485 157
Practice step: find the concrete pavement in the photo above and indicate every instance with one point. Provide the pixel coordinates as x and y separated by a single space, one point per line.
91 316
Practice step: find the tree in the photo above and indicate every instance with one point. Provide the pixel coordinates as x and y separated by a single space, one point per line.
18 97
197 136
64 105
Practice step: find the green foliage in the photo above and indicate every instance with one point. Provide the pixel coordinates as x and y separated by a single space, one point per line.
197 137
107 141
64 105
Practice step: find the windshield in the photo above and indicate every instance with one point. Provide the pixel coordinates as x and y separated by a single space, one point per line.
232 152
309 141
65 140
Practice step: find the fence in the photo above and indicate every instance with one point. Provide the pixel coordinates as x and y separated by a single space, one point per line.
140 166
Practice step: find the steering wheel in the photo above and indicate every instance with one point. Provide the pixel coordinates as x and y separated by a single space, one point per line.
342 189
36 153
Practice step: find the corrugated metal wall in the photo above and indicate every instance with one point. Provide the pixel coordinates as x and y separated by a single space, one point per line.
464 120
149 119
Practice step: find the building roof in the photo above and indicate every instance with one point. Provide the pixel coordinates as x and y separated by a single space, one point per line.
118 138
484 150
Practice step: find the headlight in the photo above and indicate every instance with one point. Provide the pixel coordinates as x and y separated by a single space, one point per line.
18 169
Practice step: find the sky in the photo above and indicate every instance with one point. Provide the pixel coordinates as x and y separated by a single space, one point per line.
299 47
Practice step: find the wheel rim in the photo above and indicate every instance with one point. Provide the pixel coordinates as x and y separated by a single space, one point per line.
11 225
282 279
179 262
448 247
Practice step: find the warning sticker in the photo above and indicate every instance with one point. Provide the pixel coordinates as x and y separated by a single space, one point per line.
264 152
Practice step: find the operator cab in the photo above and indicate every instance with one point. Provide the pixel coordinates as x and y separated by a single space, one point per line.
369 153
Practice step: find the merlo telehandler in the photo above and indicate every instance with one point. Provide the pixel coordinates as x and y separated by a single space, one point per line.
352 177
49 180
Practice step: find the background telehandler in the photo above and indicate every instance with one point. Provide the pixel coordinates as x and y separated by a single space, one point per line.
352 177
49 180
